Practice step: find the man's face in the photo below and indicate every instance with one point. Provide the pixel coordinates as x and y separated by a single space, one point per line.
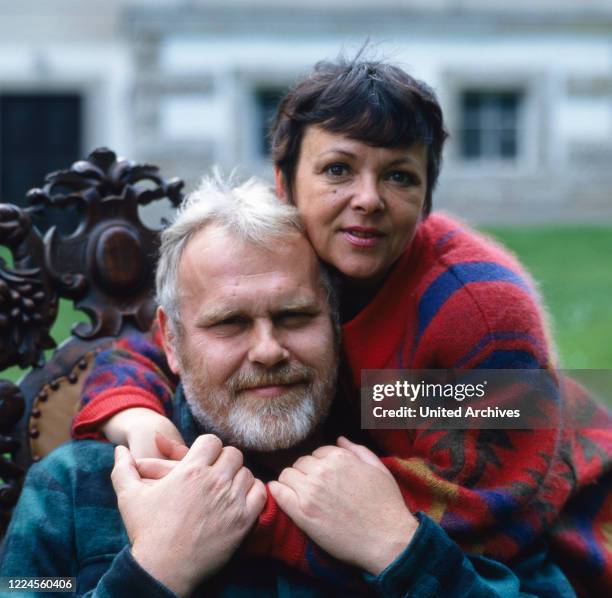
256 353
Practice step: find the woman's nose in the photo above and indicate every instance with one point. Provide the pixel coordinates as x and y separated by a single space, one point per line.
367 197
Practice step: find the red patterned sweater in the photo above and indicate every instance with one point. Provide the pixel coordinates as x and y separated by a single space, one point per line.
453 300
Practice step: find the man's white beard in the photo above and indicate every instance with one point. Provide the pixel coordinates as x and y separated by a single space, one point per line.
261 423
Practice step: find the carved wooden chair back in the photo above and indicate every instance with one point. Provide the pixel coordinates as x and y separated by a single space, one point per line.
105 266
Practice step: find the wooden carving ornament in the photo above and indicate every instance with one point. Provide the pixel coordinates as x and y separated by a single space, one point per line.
105 264
106 267
28 303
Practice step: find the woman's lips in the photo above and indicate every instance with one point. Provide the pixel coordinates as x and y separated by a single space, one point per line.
360 236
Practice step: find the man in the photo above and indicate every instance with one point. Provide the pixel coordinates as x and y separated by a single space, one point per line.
246 322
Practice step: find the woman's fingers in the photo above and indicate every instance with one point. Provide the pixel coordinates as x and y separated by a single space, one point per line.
154 469
170 448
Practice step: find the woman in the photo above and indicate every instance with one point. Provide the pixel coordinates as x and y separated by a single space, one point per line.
357 147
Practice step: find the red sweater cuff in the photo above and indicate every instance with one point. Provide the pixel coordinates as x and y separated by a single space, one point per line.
276 536
87 422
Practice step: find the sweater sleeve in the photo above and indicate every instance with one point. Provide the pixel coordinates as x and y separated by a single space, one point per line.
132 373
433 565
126 578
484 314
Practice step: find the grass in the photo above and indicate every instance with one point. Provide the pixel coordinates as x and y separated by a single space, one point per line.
573 266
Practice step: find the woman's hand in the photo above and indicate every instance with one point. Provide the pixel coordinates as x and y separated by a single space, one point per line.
138 428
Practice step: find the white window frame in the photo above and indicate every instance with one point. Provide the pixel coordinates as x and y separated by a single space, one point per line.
533 122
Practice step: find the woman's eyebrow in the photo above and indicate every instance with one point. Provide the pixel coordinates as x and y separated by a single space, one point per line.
336 151
409 160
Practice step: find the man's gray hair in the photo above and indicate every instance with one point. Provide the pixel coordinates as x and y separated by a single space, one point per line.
250 211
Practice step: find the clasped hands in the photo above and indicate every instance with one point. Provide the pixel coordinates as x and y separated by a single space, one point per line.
188 513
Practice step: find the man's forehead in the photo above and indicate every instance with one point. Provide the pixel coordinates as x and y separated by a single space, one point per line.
214 242
218 265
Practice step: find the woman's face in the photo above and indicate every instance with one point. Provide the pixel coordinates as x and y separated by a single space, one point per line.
360 204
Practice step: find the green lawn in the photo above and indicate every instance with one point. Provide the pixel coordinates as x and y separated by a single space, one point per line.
573 266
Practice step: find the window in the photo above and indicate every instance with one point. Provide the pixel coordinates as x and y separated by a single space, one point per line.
39 133
490 124
266 101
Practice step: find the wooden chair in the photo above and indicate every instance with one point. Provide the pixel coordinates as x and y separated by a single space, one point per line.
105 266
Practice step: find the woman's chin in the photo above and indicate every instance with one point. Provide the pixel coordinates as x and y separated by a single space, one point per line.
365 275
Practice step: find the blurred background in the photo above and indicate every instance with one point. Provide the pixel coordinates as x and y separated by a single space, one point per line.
526 88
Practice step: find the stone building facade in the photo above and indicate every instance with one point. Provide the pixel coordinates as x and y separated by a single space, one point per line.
527 92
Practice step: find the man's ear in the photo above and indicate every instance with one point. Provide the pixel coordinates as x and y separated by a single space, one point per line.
168 339
279 184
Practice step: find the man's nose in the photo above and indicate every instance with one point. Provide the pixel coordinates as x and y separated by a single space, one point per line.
266 348
367 197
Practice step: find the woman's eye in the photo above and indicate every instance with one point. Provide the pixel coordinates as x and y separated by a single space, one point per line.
337 170
403 178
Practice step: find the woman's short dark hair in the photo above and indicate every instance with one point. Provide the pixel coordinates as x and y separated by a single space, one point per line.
370 101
